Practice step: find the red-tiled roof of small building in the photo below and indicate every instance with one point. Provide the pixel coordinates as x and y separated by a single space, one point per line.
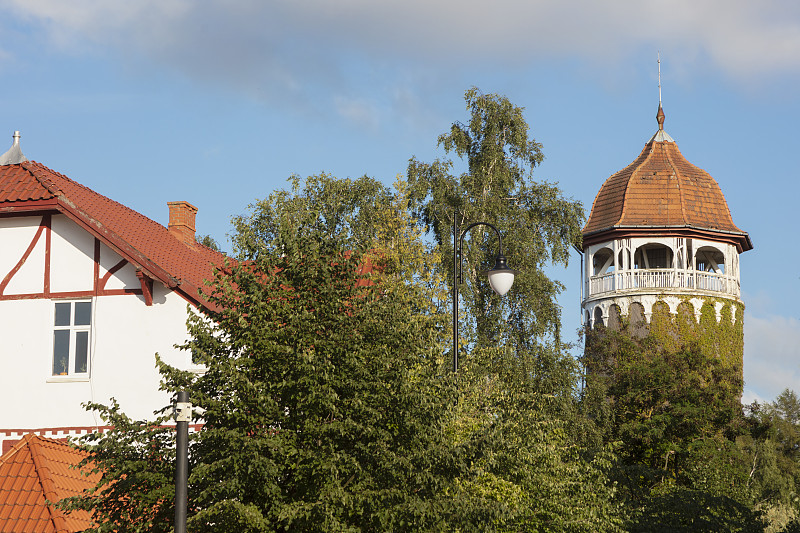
37 470
661 189
30 186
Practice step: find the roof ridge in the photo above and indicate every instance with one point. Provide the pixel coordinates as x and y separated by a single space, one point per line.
144 242
48 488
678 178
15 448
644 160
45 168
45 181
40 172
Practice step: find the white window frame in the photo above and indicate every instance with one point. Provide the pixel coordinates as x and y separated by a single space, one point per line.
74 331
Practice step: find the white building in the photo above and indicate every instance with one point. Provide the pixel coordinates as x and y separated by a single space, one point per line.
90 291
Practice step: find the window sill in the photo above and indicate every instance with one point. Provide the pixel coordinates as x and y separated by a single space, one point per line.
68 379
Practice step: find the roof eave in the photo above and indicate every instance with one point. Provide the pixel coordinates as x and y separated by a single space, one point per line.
29 206
741 238
129 252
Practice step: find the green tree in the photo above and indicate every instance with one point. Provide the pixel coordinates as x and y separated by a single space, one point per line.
775 451
684 461
136 459
538 224
325 402
516 382
208 241
350 211
327 389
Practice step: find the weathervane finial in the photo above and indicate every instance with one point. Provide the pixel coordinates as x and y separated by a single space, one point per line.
660 114
659 78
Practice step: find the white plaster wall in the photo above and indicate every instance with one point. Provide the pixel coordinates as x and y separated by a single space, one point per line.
16 234
24 328
125 278
72 256
126 335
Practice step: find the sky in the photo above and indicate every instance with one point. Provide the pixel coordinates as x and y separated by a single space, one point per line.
219 102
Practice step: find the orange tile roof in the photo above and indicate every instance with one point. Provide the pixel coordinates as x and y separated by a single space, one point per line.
38 469
661 189
31 186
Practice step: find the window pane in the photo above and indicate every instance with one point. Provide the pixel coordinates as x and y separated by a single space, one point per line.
83 313
61 352
81 351
63 314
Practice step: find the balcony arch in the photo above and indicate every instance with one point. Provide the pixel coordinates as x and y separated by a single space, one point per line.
653 255
603 261
598 317
710 259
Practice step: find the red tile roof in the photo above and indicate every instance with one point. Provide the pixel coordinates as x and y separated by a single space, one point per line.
661 189
38 469
31 186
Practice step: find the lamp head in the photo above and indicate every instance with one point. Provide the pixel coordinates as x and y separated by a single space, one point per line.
501 277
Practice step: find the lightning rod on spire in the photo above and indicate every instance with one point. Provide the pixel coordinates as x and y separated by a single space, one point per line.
659 77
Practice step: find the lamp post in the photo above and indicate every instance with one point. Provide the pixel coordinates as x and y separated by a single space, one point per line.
183 415
500 277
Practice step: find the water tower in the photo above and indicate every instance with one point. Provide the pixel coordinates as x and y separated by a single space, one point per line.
660 247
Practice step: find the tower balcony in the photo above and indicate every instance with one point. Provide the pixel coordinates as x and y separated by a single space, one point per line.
667 279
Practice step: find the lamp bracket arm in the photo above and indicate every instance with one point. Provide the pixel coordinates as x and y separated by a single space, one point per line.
461 245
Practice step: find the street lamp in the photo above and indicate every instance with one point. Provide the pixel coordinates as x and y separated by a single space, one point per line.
500 277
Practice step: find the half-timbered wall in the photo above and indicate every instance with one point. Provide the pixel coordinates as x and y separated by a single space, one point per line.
47 260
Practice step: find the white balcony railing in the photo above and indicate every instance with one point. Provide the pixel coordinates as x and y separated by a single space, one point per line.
661 279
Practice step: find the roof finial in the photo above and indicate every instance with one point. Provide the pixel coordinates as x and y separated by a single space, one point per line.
660 115
659 78
14 154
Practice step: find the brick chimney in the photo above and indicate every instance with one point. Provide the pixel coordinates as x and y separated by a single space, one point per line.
181 221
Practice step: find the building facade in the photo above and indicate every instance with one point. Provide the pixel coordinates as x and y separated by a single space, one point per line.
90 292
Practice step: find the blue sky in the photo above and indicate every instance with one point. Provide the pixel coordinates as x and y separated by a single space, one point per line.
218 102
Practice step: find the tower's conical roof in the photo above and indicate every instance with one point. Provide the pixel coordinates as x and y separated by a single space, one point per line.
662 192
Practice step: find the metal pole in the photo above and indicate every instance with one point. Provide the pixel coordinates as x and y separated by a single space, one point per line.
183 414
456 260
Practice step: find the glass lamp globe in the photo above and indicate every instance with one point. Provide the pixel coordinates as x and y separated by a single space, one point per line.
501 277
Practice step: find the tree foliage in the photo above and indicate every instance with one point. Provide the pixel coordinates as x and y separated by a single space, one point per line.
689 459
327 405
538 224
136 459
326 387
515 377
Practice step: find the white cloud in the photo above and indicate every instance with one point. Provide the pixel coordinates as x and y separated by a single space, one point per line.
293 51
739 35
771 355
